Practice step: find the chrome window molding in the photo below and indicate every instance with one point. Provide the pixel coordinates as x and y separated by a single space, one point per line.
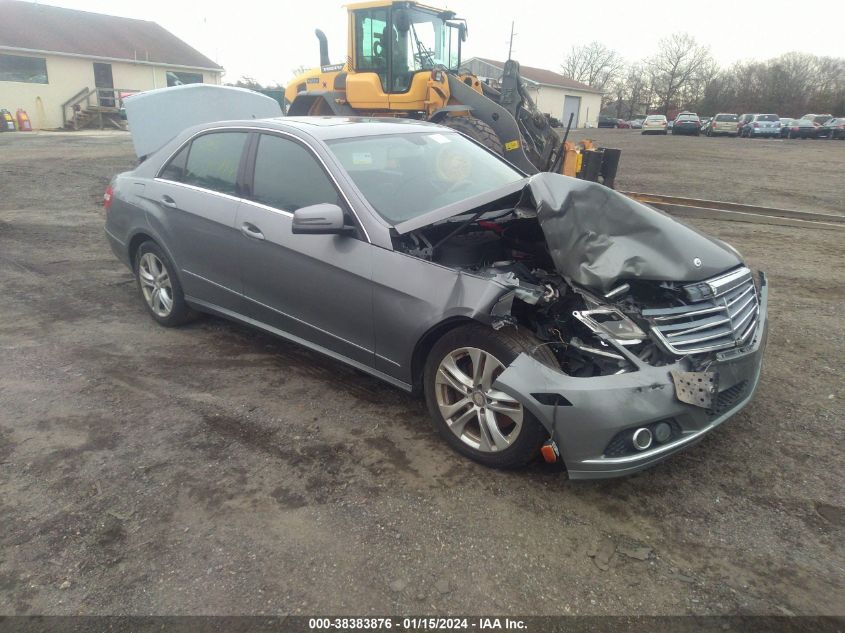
261 130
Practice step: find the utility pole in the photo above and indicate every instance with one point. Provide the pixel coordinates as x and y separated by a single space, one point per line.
510 46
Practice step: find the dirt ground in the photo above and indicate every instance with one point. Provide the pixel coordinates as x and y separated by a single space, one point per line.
215 470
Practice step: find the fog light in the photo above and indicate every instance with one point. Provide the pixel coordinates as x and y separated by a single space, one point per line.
642 439
662 432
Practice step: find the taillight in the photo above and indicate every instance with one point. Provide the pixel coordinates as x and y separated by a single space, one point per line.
107 198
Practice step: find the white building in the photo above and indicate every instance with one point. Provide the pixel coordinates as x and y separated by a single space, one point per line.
67 67
554 94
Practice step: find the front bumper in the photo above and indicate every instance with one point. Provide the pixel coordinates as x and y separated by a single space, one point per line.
583 415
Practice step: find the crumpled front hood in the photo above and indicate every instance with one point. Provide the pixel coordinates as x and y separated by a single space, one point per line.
599 238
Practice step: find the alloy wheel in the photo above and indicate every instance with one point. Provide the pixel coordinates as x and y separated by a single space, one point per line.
483 418
155 285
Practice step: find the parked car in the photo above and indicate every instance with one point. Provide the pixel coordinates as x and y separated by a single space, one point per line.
669 125
833 128
705 124
723 124
636 124
608 121
655 124
818 119
762 125
622 124
798 128
396 247
743 121
687 123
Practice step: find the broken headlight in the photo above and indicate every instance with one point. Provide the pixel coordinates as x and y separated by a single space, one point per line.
612 322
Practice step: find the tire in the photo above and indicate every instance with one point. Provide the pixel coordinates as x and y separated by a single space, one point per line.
516 443
159 286
477 130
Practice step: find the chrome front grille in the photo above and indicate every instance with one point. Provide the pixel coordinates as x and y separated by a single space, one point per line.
724 315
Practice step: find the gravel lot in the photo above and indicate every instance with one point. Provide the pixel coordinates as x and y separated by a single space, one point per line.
215 470
786 174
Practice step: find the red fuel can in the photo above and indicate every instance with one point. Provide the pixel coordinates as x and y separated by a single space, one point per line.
24 124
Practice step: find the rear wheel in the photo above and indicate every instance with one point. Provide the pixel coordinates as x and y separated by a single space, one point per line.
477 130
477 420
159 286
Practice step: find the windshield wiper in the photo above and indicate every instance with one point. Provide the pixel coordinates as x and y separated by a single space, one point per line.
460 228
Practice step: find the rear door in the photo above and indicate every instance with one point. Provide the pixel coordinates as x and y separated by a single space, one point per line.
317 288
197 196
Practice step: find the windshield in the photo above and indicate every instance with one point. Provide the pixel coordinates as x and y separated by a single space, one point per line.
406 175
428 42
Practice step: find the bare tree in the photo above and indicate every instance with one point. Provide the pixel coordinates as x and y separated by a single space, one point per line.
593 64
679 70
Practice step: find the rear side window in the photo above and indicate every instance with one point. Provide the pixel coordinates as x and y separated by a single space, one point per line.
288 177
213 161
175 169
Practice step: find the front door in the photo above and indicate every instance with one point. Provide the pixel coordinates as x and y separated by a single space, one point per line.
571 105
315 287
104 83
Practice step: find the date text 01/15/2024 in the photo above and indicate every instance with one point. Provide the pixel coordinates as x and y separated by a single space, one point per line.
416 624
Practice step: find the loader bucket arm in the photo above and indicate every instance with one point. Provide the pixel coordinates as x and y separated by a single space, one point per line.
501 120
541 142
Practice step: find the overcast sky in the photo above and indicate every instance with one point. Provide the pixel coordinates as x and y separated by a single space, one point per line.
267 40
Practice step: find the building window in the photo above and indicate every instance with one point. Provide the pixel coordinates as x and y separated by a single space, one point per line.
181 79
31 70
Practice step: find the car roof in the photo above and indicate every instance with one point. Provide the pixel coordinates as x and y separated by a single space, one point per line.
335 127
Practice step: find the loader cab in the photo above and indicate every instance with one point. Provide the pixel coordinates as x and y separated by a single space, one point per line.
397 40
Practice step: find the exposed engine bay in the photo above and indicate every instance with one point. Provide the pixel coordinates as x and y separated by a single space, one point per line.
592 330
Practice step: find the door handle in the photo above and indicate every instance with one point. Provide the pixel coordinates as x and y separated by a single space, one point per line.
168 201
250 230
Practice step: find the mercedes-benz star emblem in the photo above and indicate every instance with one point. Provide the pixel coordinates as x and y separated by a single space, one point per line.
697 262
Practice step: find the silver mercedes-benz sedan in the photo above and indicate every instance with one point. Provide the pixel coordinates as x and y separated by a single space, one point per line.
537 314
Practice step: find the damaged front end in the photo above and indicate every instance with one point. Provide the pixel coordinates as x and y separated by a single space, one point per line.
658 330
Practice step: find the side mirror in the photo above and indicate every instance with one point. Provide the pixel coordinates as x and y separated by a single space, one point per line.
320 219
462 31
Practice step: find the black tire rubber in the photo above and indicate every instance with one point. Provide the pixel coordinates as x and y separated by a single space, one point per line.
505 344
181 313
477 130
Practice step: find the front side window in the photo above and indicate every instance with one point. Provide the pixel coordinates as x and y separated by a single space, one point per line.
406 175
213 161
30 70
289 177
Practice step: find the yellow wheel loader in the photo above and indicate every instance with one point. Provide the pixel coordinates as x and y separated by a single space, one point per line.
404 59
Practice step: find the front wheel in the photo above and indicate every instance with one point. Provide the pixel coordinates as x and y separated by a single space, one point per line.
159 286
483 423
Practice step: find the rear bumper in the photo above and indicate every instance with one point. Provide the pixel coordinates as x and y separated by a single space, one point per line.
773 131
603 406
